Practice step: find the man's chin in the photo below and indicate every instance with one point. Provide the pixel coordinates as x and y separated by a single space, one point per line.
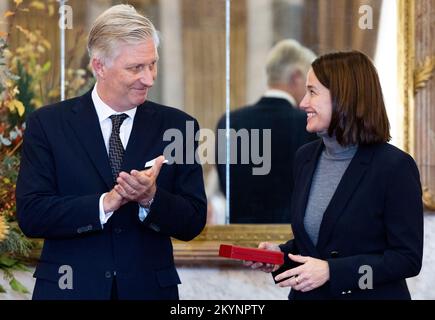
139 100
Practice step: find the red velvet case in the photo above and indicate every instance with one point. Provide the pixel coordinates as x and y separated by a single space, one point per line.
251 254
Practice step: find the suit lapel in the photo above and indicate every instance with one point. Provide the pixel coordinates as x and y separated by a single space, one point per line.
306 176
345 189
144 135
84 122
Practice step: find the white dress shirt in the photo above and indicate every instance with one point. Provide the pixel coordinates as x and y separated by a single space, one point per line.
104 112
276 93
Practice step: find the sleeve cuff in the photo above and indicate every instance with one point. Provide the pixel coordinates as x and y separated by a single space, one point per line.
104 217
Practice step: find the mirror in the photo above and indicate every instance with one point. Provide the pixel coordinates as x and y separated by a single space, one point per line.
321 26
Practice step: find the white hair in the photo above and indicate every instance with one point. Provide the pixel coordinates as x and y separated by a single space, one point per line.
119 24
286 57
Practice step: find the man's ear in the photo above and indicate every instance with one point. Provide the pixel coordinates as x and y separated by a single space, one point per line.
98 67
297 77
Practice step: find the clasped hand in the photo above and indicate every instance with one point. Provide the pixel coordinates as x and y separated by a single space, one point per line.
137 186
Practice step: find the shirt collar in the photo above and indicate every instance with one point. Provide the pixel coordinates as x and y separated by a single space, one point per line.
104 111
276 93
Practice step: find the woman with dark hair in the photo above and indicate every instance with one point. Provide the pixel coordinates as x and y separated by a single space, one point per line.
357 214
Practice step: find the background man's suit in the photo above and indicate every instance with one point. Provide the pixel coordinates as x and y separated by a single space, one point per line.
64 171
265 198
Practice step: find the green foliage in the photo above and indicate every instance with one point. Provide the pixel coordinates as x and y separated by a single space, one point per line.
24 84
16 244
17 286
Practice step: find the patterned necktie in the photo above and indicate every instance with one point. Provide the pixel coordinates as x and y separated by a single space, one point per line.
116 150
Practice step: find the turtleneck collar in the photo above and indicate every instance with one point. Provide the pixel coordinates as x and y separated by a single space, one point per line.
334 150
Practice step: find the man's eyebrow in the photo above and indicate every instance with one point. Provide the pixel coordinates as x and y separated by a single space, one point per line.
310 86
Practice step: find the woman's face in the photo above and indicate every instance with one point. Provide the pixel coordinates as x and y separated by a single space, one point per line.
317 104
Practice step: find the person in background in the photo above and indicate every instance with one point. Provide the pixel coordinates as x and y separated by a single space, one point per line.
82 187
357 212
267 198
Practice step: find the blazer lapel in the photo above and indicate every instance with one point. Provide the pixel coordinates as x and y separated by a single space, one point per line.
84 122
345 189
144 135
306 175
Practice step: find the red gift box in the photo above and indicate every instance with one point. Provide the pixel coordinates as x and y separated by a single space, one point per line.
251 254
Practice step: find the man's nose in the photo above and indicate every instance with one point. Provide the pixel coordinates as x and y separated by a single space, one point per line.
147 77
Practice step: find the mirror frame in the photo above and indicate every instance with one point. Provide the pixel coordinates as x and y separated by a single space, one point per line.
205 247
413 77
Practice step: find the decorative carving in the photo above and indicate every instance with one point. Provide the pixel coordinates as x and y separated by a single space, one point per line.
428 199
423 73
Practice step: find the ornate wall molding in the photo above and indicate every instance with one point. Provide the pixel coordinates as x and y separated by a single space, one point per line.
406 66
423 73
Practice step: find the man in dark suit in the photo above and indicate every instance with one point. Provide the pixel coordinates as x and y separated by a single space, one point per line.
107 222
266 198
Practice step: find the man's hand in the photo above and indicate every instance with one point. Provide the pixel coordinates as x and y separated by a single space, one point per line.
139 186
113 201
312 274
261 266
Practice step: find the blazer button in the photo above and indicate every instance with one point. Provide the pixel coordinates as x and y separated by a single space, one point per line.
108 274
118 230
334 254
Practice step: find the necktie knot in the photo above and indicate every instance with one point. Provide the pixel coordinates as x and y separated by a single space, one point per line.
117 120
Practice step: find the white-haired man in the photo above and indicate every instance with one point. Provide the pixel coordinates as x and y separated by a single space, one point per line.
267 198
82 186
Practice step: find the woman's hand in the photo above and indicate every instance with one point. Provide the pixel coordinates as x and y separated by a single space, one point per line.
312 274
265 267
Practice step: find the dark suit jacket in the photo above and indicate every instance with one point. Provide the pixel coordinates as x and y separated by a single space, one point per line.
265 198
375 219
65 169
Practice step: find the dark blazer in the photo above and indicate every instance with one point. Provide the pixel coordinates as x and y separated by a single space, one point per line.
65 169
375 219
265 198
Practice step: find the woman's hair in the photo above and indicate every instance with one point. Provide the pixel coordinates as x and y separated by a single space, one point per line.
119 24
358 109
